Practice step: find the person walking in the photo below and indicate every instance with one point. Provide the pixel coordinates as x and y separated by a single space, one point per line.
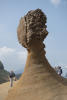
59 71
11 75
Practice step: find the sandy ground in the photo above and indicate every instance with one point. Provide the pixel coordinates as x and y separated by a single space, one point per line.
4 88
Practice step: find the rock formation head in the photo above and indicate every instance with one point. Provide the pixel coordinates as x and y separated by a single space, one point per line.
32 27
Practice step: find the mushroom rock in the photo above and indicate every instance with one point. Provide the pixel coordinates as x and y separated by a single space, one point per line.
39 80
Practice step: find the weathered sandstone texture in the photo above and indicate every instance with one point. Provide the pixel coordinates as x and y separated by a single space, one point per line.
39 80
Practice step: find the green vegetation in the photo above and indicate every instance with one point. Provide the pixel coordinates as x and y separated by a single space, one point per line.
3 74
1 65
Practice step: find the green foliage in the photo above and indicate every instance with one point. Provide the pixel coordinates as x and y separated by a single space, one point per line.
4 76
1 65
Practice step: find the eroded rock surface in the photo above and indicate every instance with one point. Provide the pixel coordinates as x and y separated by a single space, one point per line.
39 80
32 26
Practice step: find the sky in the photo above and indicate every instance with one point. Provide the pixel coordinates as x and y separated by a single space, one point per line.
12 54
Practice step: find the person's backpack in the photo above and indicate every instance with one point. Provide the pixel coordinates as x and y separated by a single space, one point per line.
12 74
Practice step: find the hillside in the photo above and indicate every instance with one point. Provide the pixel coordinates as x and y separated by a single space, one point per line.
18 76
1 65
3 74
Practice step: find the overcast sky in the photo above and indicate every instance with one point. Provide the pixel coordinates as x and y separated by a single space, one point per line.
12 54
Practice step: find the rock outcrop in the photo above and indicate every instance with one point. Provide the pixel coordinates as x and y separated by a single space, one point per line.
39 80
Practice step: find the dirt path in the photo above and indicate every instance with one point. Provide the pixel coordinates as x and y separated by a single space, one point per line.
4 90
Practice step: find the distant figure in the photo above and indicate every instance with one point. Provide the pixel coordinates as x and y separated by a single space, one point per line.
58 70
12 75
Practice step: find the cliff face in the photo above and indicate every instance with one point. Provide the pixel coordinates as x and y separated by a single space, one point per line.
39 80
